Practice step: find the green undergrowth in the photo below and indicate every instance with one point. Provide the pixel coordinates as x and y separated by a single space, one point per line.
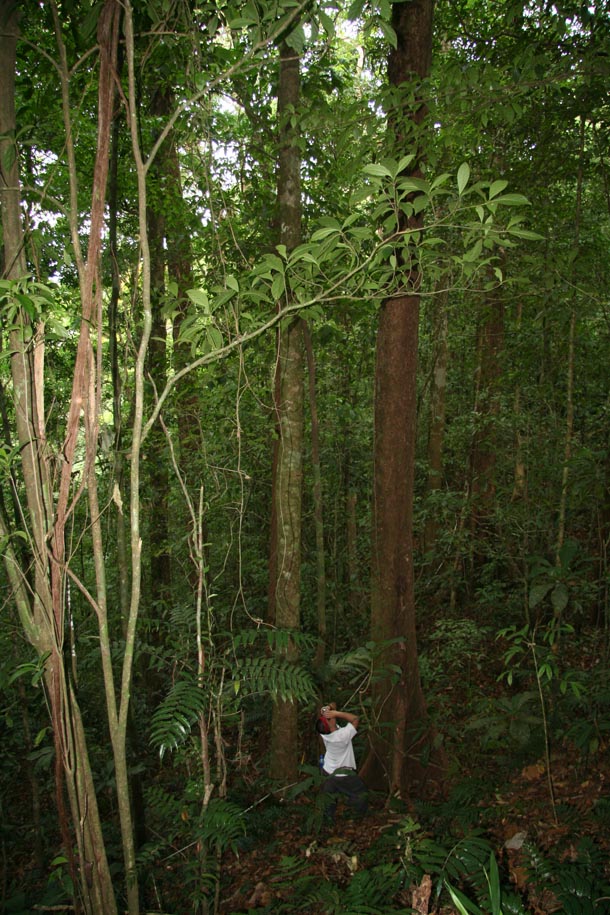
466 873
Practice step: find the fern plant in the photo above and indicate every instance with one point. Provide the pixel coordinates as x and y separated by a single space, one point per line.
177 713
580 883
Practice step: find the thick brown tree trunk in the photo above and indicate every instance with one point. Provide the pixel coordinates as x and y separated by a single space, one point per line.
400 731
288 471
437 420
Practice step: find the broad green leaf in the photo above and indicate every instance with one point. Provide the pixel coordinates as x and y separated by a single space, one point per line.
388 32
199 297
512 200
527 234
440 180
232 283
539 592
377 170
278 286
327 23
355 10
474 253
319 234
296 40
497 187
463 176
214 338
362 194
559 597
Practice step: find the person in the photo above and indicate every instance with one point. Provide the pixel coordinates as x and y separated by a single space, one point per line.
339 765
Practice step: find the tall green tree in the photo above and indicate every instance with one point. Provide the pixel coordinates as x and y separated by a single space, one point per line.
400 735
289 387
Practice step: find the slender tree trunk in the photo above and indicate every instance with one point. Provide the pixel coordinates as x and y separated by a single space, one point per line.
519 485
569 428
289 472
400 731
43 615
490 344
317 502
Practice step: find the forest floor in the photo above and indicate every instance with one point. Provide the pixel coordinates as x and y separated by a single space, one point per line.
550 836
518 815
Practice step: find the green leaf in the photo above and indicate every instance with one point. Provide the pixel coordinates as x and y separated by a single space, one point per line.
493 879
497 187
464 905
539 592
199 297
362 194
327 23
527 234
232 283
559 597
319 234
512 200
214 338
474 253
377 170
463 176
388 32
278 286
296 39
355 10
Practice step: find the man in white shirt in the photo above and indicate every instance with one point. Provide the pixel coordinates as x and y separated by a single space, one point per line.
339 761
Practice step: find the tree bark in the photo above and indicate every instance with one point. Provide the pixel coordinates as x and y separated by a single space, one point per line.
437 421
42 614
318 509
289 470
400 731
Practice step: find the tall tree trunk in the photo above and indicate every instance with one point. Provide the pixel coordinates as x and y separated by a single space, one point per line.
437 420
288 476
569 429
520 479
317 502
157 460
400 730
490 344
42 614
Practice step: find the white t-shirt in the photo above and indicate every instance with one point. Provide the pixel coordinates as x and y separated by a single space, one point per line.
339 749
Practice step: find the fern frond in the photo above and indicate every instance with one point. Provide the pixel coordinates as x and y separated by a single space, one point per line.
260 676
176 715
222 825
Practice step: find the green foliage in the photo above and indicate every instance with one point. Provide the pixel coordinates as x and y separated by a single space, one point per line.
174 718
221 825
507 722
270 676
576 881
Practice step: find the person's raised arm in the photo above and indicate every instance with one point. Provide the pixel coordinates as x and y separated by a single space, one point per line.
330 712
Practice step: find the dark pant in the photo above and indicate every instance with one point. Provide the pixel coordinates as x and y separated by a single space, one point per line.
351 787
